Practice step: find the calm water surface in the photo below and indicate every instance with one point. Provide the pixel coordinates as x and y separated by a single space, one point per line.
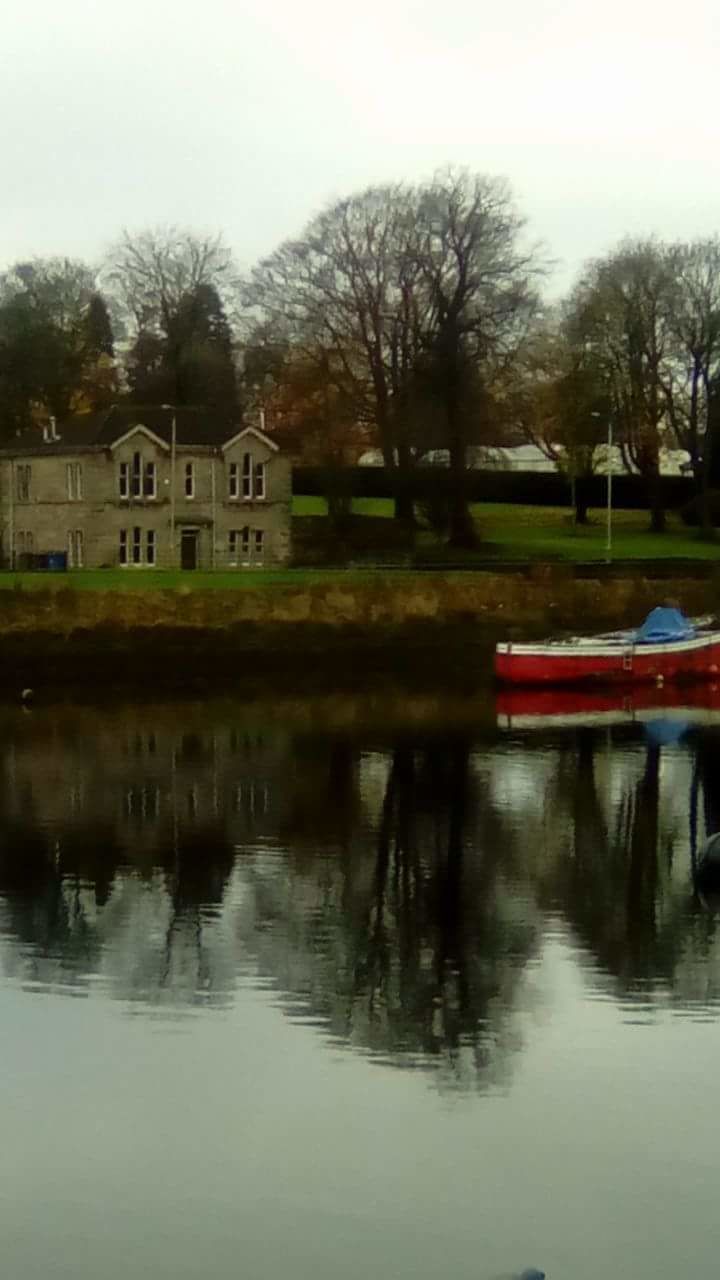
352 989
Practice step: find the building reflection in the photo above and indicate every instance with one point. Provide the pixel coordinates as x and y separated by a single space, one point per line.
394 889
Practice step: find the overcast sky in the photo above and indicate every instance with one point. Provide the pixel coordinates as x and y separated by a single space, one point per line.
246 116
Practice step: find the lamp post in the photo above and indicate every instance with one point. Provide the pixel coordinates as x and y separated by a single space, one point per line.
608 542
173 443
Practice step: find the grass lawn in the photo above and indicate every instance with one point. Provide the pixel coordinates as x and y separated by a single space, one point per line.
515 532
529 533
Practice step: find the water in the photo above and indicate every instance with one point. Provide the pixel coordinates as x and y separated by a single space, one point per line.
349 989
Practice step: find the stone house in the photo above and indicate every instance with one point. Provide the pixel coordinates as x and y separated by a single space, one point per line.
146 488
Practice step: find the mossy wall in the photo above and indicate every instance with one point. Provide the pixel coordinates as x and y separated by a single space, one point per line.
547 598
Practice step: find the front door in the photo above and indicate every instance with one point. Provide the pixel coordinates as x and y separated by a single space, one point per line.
189 549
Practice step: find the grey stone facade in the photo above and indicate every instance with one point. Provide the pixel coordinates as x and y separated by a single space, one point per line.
147 498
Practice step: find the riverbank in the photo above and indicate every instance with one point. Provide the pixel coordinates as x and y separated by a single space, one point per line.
444 623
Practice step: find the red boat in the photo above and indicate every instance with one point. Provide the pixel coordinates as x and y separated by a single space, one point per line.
667 647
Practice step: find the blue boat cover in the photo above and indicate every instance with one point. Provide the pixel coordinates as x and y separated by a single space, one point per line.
664 625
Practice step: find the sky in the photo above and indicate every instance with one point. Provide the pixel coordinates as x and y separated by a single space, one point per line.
247 116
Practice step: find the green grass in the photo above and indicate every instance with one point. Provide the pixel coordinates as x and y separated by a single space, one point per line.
303 505
529 533
515 532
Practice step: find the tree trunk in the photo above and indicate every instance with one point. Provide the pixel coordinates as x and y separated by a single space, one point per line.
581 501
657 508
461 527
404 504
707 525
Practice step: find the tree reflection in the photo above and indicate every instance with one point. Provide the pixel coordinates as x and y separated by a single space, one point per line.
409 946
392 889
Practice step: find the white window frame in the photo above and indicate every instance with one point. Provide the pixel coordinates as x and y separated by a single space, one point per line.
189 476
150 548
233 542
137 547
123 558
124 481
245 543
136 475
149 474
79 546
259 546
259 480
234 482
73 472
247 477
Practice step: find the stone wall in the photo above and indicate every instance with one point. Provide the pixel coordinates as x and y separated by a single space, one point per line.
339 605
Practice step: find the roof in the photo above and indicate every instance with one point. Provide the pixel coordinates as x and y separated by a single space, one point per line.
91 431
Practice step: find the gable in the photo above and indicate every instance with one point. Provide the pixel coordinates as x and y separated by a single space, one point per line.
251 431
140 430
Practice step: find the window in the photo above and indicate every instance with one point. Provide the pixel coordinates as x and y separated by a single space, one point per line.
233 481
23 482
189 479
246 546
150 488
150 547
260 480
137 546
75 549
136 476
124 480
74 475
247 476
123 546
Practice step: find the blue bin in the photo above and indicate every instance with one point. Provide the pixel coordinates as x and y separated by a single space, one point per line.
57 561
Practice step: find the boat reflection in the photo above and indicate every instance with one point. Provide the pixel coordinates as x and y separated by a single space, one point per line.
697 704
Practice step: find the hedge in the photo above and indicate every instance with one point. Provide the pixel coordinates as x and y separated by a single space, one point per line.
526 488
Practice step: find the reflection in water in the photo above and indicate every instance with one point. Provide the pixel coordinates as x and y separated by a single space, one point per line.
396 892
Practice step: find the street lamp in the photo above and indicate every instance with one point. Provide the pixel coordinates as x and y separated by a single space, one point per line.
608 543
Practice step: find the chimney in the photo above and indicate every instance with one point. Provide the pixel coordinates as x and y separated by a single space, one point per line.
46 434
53 431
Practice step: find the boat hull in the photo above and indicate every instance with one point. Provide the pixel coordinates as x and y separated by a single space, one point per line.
617 662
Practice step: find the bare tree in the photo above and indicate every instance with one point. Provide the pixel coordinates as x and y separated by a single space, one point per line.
621 316
415 293
559 403
348 286
693 375
481 297
148 274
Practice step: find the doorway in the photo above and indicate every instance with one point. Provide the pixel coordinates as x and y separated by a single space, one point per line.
189 549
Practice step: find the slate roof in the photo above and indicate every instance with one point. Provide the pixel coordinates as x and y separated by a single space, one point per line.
94 431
